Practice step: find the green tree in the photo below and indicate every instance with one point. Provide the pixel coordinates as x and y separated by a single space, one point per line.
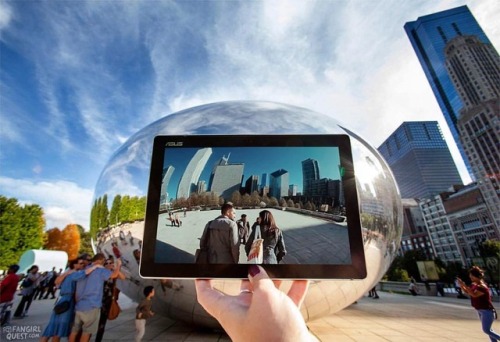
115 210
85 244
124 211
21 229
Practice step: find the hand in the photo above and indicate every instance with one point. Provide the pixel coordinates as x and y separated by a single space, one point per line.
260 312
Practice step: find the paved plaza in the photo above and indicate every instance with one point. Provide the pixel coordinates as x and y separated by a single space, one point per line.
330 240
393 317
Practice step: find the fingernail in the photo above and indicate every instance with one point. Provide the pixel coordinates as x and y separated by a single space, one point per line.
253 270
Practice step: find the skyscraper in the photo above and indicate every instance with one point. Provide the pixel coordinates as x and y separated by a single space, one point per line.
429 35
474 68
226 178
167 174
420 159
191 175
279 183
310 173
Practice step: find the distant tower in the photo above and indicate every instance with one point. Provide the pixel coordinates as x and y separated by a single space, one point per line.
167 174
252 184
310 173
191 175
278 186
420 159
226 178
474 68
429 35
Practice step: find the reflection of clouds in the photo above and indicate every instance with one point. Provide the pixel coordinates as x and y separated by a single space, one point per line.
128 170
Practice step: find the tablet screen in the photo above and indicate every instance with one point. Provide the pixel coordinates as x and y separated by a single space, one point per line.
217 203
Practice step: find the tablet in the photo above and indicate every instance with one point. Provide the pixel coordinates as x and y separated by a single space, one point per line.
217 203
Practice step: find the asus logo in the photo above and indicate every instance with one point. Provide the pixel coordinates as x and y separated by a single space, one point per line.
174 143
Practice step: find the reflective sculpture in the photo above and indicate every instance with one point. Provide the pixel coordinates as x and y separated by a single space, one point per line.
123 185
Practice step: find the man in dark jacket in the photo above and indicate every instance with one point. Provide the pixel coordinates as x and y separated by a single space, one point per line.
221 237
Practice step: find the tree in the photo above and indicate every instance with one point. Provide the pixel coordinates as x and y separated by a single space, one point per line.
21 229
273 202
254 199
70 241
290 203
85 244
236 198
54 237
115 210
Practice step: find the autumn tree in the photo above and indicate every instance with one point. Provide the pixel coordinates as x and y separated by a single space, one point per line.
70 241
53 240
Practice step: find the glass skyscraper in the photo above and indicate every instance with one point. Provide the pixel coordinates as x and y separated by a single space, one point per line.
420 159
429 35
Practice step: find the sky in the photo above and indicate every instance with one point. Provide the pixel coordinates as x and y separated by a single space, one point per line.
78 78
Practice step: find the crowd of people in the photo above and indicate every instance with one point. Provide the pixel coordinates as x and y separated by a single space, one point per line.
87 294
222 237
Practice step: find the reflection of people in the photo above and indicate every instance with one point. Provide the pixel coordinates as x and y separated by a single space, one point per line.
143 312
480 298
221 237
242 316
243 228
274 245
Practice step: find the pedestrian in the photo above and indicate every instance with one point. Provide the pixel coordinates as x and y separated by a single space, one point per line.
60 323
274 245
51 289
480 298
28 286
413 287
220 237
110 293
88 295
8 288
243 228
143 312
373 293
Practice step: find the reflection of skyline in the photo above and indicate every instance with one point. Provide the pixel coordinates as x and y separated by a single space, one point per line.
246 162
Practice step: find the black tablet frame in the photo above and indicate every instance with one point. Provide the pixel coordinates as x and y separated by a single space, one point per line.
151 269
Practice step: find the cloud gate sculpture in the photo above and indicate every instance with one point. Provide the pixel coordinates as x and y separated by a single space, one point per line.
117 218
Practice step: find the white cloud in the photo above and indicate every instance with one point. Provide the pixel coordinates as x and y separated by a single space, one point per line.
5 15
63 202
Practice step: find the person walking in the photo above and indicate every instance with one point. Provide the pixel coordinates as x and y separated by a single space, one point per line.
220 237
143 312
480 298
8 288
28 285
274 245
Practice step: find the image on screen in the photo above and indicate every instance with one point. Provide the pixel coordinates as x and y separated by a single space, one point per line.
301 187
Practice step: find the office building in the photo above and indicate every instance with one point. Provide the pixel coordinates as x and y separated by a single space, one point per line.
310 173
191 175
474 68
167 174
226 178
429 35
470 220
415 235
420 159
278 184
252 184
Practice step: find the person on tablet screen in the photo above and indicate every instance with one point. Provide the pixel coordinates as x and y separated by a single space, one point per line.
222 237
274 244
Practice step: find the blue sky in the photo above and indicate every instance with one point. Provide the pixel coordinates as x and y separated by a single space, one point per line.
78 78
289 159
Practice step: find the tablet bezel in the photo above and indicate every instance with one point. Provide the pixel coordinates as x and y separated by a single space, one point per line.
151 269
